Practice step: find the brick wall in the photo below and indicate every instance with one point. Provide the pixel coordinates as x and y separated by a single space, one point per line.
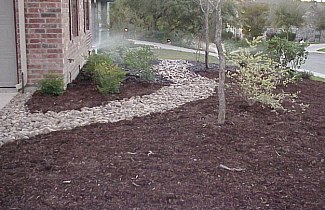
48 42
76 48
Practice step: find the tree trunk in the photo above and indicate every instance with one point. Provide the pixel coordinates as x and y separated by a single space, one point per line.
222 65
207 40
155 23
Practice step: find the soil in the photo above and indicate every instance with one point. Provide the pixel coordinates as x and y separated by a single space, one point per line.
83 93
181 159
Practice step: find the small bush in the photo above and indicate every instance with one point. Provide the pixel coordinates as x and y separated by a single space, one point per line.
108 77
258 79
140 61
52 84
283 35
117 55
225 35
306 74
93 60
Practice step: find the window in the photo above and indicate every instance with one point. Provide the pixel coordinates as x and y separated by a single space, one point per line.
73 18
86 15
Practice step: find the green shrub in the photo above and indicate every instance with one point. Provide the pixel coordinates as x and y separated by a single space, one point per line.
117 54
93 60
52 84
108 77
306 74
291 36
226 35
116 51
287 53
140 61
298 76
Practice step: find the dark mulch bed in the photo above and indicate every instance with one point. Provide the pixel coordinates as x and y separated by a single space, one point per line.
83 93
172 160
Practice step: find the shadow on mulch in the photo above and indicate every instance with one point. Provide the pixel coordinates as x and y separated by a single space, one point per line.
83 93
180 159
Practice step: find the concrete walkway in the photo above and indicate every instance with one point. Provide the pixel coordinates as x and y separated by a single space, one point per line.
6 95
314 47
172 47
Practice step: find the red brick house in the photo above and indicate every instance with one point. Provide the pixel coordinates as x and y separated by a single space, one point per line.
42 36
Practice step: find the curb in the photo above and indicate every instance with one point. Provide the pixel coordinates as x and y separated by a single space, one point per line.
314 73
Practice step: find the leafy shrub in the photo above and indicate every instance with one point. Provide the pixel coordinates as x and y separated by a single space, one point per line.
52 84
283 35
258 79
226 35
287 53
117 55
139 61
116 51
93 60
108 77
304 75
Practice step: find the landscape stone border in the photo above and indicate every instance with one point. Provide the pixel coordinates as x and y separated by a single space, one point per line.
18 123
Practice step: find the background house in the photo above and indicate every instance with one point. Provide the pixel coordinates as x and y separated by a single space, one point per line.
38 37
308 31
100 21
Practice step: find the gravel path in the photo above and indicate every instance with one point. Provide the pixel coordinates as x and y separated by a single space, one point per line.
17 122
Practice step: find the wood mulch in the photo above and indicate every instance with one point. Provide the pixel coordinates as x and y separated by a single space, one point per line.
83 93
180 159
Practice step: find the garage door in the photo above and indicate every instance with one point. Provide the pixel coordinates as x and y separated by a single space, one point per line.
8 60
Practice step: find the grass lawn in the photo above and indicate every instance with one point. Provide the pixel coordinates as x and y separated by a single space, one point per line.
317 78
178 55
321 50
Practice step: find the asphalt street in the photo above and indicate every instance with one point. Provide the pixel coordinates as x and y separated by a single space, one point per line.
315 61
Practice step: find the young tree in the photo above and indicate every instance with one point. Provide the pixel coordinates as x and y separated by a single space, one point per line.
222 64
207 33
228 15
205 7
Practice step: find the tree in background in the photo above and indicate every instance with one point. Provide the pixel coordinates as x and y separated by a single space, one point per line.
229 13
159 19
206 9
121 15
289 13
182 15
148 11
207 33
320 21
254 19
